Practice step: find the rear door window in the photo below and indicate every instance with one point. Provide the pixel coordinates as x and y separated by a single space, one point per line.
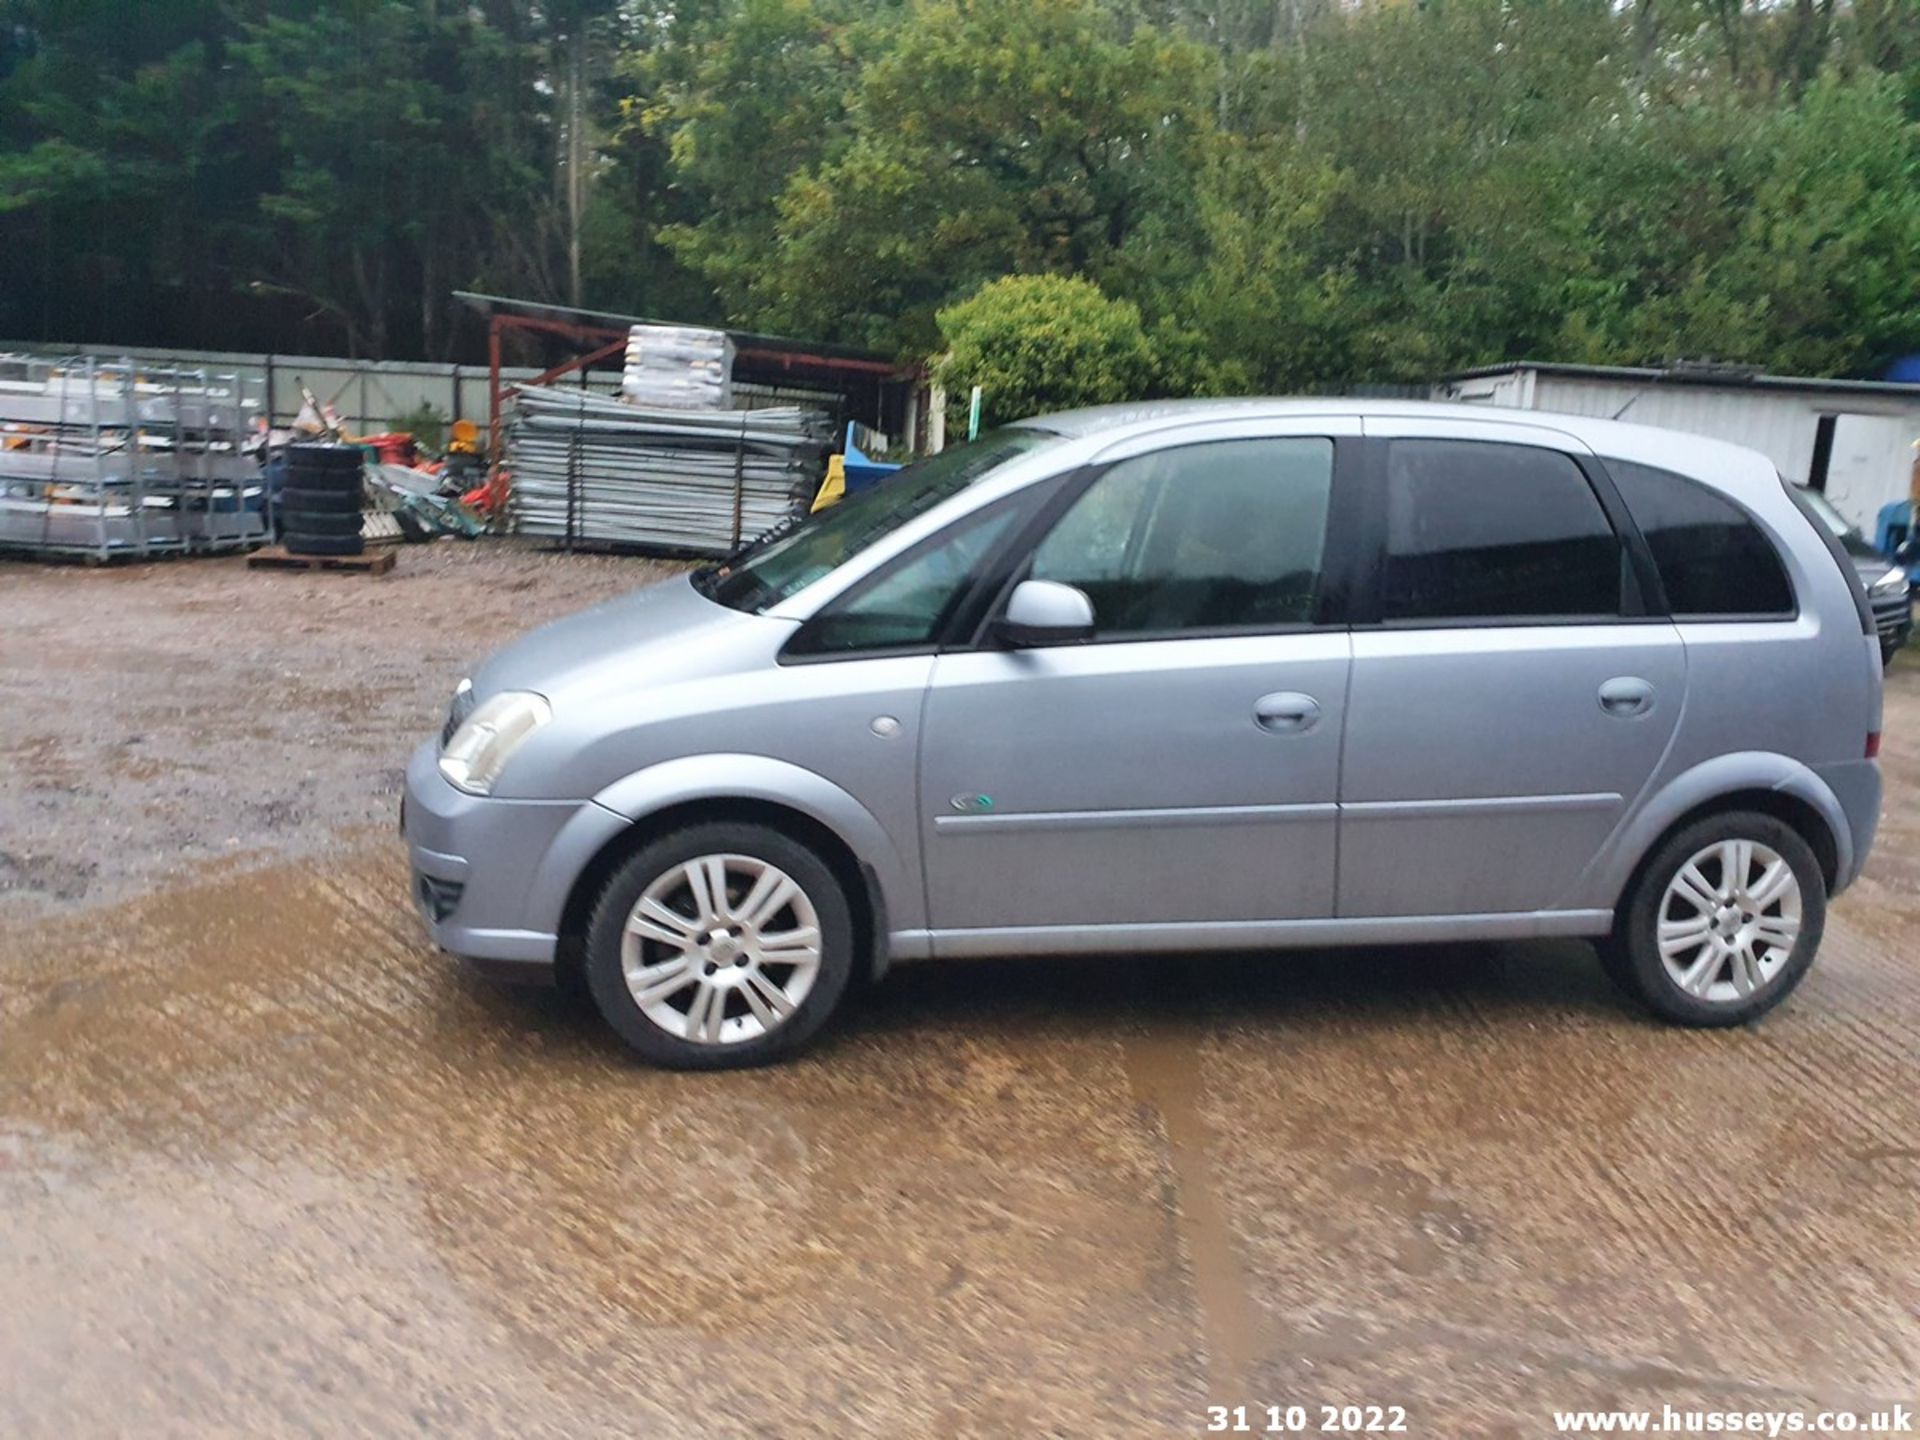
1713 560
1481 531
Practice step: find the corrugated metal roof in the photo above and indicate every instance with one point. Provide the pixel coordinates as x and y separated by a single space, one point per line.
745 339
1714 377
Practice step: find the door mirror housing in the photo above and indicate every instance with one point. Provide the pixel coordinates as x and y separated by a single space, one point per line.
1045 612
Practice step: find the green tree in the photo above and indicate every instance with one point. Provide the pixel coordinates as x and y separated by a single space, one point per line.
743 95
1293 193
1035 343
1248 297
409 166
109 116
975 137
1435 120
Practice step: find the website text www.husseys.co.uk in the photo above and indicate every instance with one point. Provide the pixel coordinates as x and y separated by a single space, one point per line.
1669 1420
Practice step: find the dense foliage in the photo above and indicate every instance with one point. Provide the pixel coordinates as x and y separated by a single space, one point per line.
1285 193
1044 342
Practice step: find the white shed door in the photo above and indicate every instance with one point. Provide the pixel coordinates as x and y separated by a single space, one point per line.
1872 464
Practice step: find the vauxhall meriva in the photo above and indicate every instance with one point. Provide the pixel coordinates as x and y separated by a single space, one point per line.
1199 676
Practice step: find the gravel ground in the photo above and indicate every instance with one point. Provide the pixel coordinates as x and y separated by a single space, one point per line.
270 1165
161 717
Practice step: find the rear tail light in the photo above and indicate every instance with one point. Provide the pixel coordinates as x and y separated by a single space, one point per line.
1873 745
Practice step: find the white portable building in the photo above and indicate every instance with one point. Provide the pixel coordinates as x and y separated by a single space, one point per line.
1853 439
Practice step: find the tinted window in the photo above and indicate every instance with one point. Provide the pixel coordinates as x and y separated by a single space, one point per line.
907 605
1485 531
1713 560
1203 537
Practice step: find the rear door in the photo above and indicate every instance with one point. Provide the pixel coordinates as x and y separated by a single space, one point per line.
1511 697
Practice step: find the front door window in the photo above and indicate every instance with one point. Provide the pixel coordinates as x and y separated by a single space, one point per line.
1199 539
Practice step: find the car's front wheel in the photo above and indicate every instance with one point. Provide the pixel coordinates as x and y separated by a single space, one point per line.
719 946
1722 923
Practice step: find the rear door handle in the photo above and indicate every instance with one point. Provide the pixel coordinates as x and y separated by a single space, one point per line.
1626 695
1286 712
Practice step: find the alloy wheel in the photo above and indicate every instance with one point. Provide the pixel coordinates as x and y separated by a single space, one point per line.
721 949
1729 921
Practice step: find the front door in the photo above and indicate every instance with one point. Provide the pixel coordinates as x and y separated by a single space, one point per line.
1177 776
1508 706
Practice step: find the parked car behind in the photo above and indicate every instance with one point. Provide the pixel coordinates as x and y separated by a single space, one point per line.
1889 591
1192 676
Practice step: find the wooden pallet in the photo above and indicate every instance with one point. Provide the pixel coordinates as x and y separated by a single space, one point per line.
278 557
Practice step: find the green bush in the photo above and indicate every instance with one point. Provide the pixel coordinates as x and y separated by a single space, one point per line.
1036 343
426 424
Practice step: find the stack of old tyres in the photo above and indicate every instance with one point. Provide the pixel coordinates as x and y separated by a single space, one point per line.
321 501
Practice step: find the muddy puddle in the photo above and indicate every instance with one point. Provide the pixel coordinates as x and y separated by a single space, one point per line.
269 1165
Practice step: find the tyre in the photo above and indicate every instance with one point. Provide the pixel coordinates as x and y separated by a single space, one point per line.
300 543
315 457
316 522
342 500
336 482
1722 922
719 946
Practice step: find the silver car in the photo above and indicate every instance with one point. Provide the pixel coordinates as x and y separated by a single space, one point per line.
1192 676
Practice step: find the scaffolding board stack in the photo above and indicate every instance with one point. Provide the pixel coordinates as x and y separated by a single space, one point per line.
110 459
590 468
678 367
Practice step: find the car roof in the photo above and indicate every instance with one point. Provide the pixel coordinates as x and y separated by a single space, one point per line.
1695 455
1147 415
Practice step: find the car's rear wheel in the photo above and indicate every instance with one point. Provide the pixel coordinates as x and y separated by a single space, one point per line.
719 946
1723 921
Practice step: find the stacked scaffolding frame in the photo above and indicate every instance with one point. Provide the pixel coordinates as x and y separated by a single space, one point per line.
105 459
593 469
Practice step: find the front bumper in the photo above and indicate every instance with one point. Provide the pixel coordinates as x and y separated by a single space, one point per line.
1893 619
481 878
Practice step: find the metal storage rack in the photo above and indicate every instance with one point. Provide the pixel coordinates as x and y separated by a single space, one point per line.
105 459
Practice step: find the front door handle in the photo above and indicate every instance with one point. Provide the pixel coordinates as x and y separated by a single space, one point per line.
1626 695
1286 712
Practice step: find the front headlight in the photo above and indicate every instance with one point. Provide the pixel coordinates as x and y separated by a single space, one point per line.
457 712
1891 583
480 748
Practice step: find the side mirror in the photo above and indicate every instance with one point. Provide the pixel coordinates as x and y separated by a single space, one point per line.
1045 612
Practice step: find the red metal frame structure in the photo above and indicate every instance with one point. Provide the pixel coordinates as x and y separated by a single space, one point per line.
755 357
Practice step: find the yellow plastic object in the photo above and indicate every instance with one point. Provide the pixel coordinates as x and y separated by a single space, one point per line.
466 438
833 489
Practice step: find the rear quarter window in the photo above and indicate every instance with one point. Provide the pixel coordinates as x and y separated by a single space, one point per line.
1714 561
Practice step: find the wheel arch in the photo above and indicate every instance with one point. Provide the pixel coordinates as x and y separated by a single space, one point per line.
1795 795
798 803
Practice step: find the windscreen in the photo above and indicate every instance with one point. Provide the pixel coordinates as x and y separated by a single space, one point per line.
763 577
